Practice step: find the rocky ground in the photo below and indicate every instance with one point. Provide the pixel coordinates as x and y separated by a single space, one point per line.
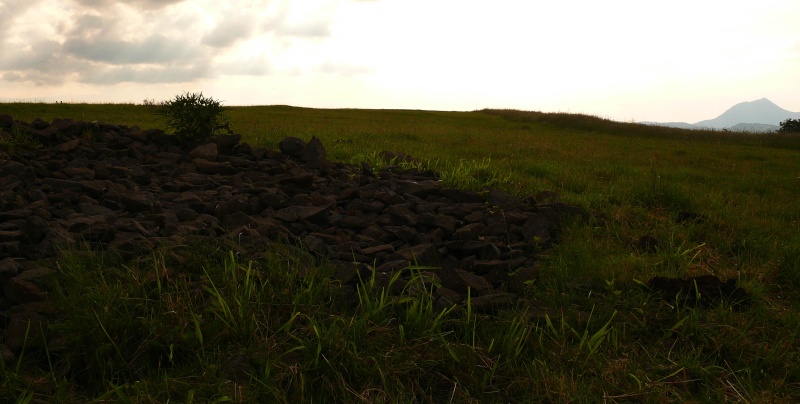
129 191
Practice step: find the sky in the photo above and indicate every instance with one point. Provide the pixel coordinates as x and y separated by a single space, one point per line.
657 60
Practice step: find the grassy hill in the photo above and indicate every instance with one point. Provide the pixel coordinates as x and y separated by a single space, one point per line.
610 340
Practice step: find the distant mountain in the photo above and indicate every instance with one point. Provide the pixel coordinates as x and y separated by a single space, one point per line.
753 116
758 111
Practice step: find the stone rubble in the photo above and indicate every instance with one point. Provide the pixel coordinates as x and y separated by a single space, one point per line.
129 190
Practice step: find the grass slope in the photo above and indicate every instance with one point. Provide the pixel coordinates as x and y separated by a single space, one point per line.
144 332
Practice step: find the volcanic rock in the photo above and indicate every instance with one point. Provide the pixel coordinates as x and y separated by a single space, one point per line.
206 152
130 191
292 146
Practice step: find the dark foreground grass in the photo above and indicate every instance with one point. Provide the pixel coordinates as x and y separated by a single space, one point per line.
218 327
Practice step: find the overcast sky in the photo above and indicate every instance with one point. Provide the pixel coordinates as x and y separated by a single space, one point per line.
676 60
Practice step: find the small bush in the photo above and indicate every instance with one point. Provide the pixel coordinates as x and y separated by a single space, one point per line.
790 126
194 117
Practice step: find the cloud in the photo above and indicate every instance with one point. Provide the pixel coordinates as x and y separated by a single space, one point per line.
90 25
312 20
11 8
12 77
344 69
104 38
37 56
35 77
39 63
99 48
157 74
310 28
229 30
155 49
139 4
14 12
53 42
245 67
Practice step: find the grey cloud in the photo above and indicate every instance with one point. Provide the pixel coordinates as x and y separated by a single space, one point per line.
104 62
88 25
96 45
250 67
37 56
310 29
120 74
229 30
97 38
140 4
35 77
152 50
40 63
12 77
11 8
91 73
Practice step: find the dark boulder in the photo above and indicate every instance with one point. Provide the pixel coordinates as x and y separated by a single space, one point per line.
292 146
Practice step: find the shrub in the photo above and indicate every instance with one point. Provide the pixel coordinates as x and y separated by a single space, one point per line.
790 126
194 117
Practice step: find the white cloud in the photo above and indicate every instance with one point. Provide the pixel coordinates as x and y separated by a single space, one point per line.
344 69
310 18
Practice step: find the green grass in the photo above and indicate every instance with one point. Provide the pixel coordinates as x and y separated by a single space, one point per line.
164 329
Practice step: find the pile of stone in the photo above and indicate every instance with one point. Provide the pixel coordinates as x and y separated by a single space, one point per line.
129 190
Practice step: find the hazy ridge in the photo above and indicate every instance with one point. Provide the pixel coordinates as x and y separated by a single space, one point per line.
751 116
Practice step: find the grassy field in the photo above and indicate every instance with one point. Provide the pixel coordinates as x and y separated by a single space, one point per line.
609 339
